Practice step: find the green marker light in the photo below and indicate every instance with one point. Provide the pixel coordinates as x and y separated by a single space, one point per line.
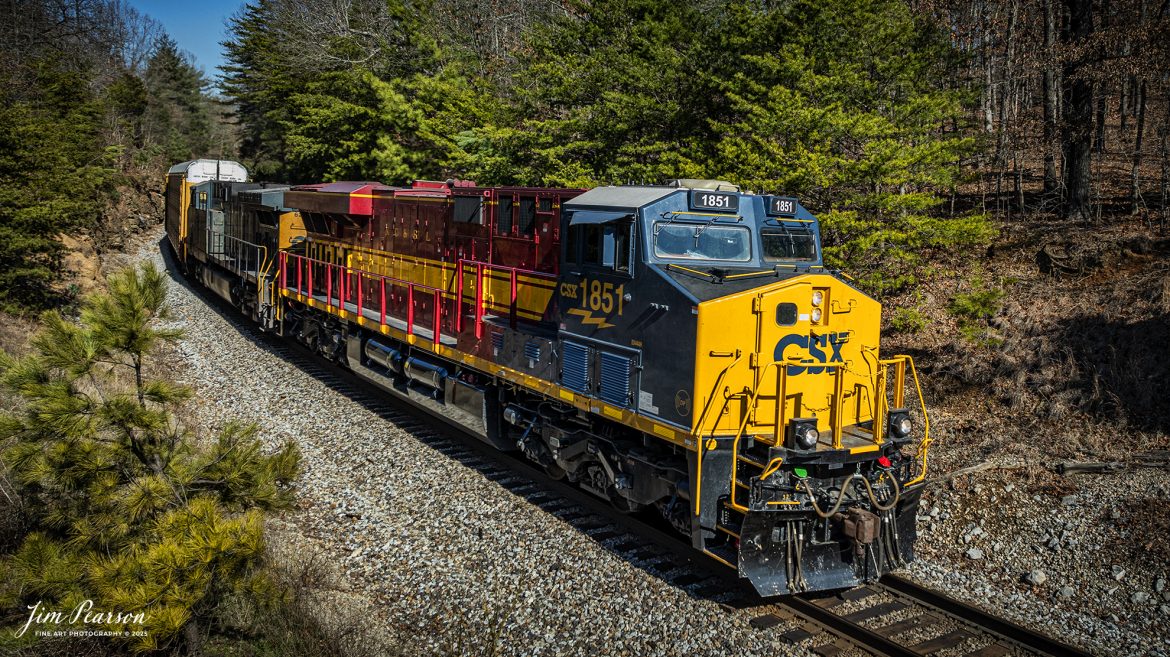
800 472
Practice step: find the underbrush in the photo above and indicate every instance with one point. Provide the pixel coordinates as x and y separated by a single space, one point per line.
1053 346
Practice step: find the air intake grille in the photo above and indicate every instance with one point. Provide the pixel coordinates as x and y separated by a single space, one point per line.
532 350
575 367
615 379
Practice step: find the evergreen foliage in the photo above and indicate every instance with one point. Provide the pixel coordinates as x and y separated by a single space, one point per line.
52 170
844 105
93 95
128 507
176 114
848 105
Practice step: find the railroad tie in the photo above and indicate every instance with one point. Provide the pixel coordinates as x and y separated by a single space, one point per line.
875 611
765 622
993 650
922 620
797 635
948 640
859 593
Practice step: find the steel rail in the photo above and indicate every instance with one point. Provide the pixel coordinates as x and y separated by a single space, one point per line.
1018 634
855 633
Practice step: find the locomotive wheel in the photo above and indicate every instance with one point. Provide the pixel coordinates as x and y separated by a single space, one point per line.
676 512
599 480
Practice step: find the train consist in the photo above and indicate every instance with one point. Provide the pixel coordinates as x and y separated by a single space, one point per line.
680 347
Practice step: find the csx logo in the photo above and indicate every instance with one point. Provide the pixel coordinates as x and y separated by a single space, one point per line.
816 346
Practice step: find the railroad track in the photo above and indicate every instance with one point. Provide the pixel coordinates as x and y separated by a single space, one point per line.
898 618
893 617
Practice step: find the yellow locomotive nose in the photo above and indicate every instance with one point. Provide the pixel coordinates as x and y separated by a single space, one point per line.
812 363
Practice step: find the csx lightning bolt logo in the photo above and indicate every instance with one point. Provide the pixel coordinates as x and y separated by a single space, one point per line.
815 346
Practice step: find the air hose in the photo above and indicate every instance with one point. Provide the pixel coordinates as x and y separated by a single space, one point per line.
841 498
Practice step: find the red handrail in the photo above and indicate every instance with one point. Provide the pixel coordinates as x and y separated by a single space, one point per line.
345 284
345 290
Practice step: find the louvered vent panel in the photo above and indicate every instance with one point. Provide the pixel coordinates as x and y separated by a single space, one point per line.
532 350
497 341
575 367
615 379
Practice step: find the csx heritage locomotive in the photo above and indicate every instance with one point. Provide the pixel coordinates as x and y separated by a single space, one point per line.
679 346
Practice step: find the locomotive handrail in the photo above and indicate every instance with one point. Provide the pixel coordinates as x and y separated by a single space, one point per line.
699 438
924 444
344 274
239 245
739 434
482 268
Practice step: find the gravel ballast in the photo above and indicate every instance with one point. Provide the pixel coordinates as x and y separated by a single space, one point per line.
437 558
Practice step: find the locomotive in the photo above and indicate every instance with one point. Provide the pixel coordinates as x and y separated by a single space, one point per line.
678 347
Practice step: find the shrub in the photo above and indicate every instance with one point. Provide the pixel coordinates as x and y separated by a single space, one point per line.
126 507
974 308
908 320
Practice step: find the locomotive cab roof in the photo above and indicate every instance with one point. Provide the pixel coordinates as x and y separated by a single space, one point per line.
205 169
619 198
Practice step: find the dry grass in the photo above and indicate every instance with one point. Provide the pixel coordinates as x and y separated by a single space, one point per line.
1072 364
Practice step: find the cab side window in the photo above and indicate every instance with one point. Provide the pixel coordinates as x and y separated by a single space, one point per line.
601 246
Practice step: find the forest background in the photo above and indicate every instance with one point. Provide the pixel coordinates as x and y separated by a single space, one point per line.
909 126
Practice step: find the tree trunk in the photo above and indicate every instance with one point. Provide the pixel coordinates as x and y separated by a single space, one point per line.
1077 114
1165 186
1019 182
1099 122
1140 119
1049 90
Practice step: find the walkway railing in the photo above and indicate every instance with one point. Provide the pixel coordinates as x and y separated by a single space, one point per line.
343 285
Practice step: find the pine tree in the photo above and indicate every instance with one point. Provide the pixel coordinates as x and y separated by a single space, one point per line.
844 104
177 119
609 93
53 169
129 508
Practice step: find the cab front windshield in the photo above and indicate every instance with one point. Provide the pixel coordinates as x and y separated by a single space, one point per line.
702 242
788 244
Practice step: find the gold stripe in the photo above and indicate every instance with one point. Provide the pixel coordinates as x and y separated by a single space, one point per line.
541 386
493 271
863 449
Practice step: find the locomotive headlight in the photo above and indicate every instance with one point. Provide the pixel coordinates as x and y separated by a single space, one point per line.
804 433
900 423
817 298
816 315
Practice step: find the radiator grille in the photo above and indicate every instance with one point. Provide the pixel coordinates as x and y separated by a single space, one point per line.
615 379
575 367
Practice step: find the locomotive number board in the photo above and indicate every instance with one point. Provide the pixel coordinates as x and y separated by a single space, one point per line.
702 199
781 206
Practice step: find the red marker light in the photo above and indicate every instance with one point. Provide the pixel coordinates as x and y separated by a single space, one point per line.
884 462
